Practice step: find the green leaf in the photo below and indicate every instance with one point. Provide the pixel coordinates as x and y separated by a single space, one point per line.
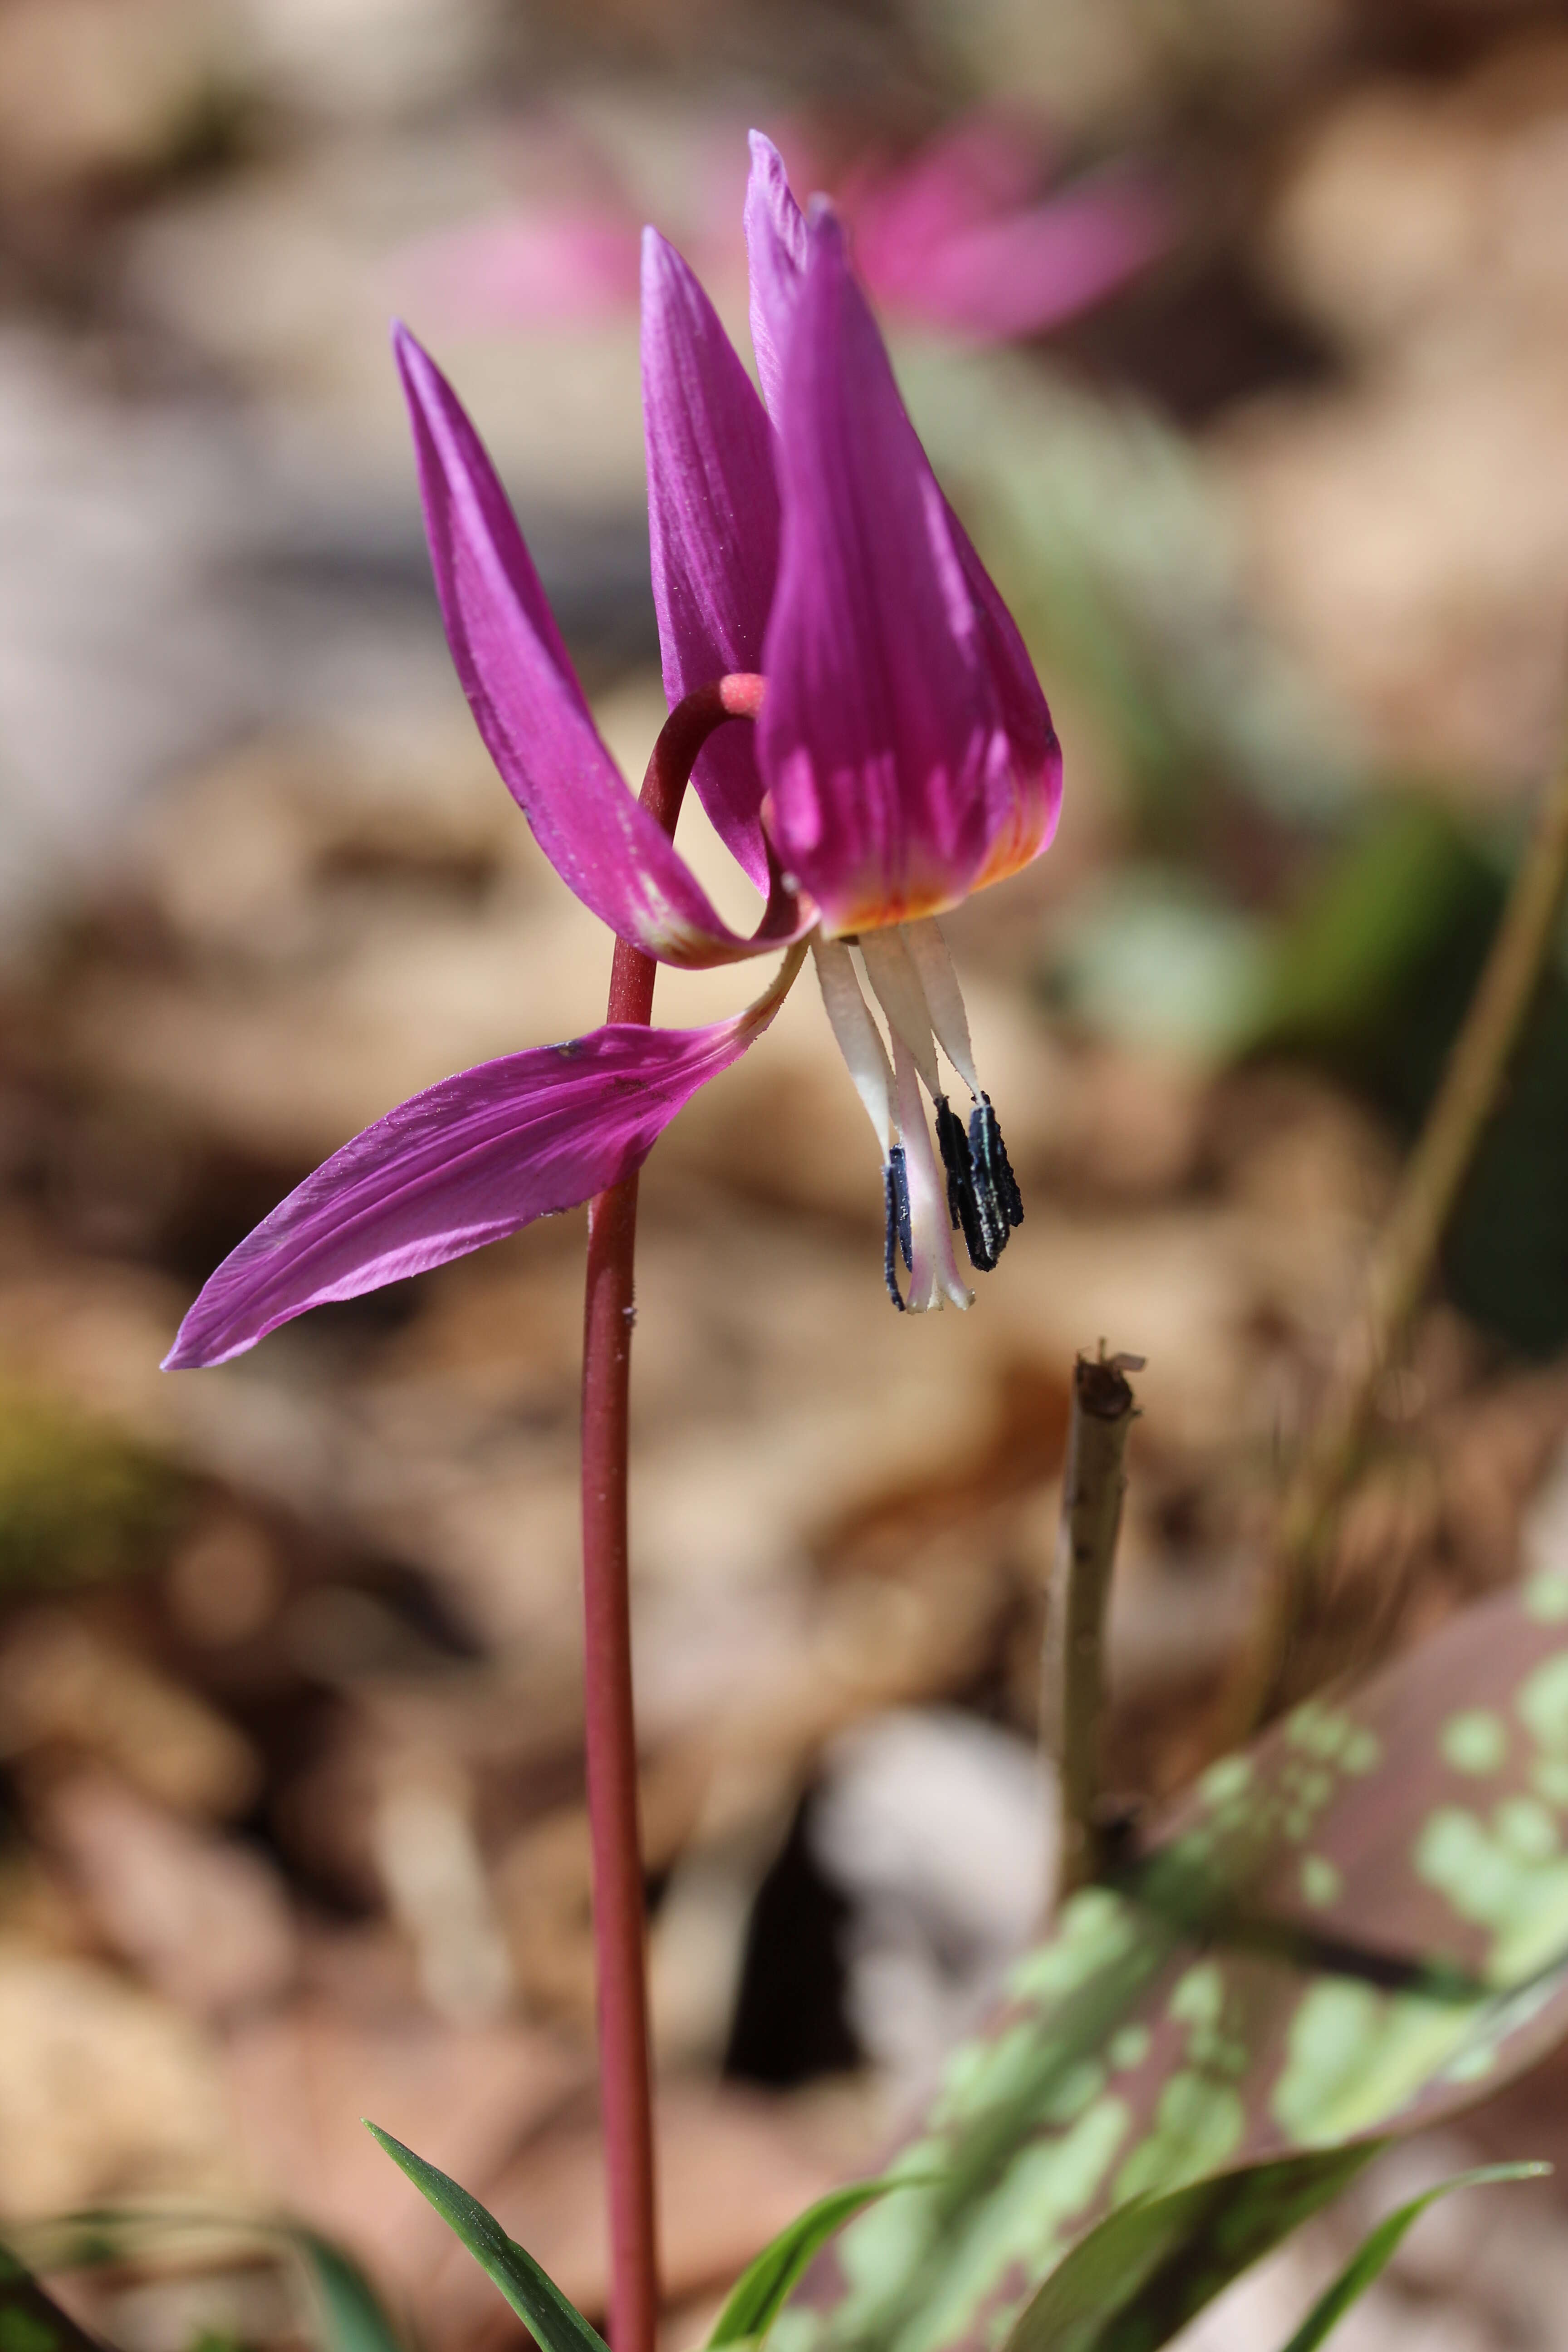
1353 1930
1377 2250
759 2293
555 2324
1138 2277
354 2319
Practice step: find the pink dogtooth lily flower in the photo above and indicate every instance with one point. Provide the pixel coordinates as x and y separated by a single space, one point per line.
810 576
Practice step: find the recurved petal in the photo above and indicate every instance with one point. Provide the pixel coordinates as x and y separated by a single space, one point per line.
881 740
713 526
1025 795
527 701
776 246
466 1162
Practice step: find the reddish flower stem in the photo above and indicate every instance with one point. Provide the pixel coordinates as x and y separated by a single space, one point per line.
625 2091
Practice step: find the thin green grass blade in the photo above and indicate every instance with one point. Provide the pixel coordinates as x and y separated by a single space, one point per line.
354 2319
1378 2250
763 2287
555 2324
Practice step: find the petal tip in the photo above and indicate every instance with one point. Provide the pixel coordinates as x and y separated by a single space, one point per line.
192 1354
661 264
422 379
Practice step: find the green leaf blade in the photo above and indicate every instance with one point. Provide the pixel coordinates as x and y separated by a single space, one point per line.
1377 2250
353 2316
551 2317
765 2285
1151 2265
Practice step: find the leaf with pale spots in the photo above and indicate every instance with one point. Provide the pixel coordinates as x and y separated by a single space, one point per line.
1352 1930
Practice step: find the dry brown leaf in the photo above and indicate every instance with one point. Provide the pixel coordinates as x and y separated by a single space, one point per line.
204 1918
66 1685
106 2092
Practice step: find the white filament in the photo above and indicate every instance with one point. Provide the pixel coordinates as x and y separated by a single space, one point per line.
860 1041
898 989
939 984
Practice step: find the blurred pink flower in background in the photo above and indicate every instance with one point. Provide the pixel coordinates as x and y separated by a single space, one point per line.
956 237
951 240
533 269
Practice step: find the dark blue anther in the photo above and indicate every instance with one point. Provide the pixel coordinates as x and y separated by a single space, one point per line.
994 1174
968 1204
897 1239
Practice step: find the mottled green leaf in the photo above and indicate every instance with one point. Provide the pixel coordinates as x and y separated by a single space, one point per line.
759 2293
1355 1928
1379 2247
555 2323
1148 2266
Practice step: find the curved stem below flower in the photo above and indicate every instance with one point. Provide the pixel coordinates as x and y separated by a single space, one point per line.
610 1726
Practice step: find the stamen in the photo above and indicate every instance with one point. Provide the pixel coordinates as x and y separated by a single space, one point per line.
970 1204
899 1168
858 1041
898 989
896 1240
933 1275
939 984
914 1227
989 1154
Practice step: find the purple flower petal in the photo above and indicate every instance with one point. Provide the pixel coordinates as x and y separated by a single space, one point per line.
464 1163
531 710
713 527
1027 799
905 740
776 249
